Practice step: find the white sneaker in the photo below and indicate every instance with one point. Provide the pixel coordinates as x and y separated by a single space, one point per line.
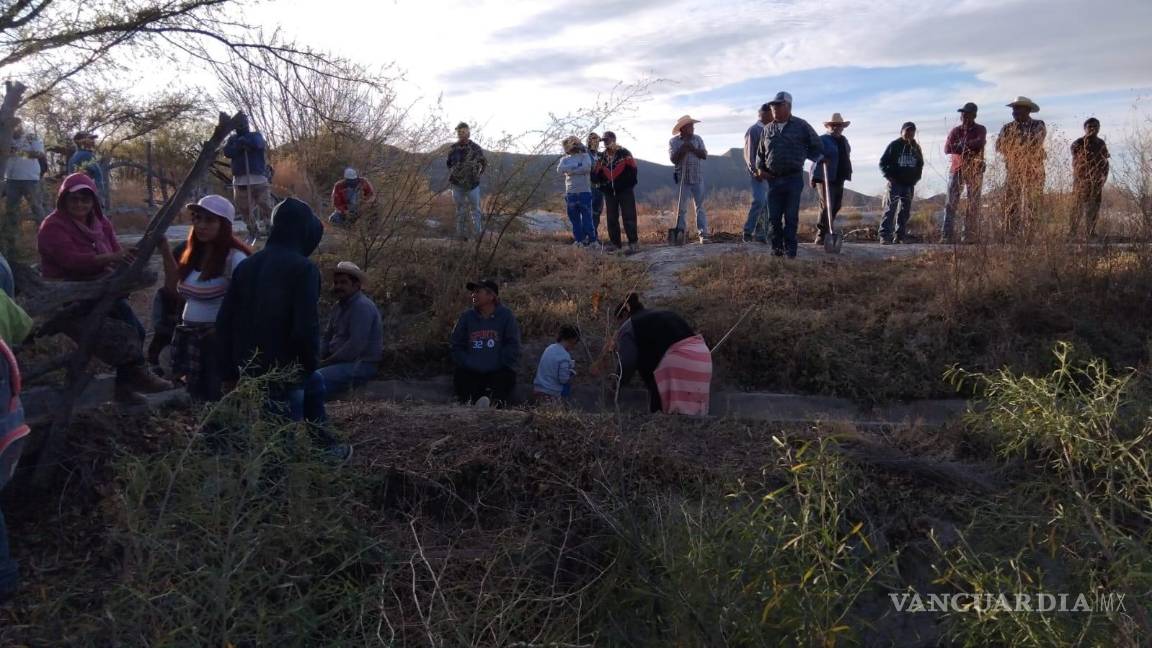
483 402
703 239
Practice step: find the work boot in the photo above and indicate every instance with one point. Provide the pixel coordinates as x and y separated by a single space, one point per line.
138 378
632 249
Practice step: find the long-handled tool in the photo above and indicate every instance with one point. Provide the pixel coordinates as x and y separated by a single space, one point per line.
250 222
676 234
833 241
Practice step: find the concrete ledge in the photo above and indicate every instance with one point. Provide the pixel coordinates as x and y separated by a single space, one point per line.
41 402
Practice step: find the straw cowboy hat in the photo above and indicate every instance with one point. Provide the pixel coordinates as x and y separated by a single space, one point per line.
1025 101
682 122
352 270
837 120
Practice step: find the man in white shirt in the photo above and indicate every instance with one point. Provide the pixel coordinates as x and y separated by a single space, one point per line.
22 179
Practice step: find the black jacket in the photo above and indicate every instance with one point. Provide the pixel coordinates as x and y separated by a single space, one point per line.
615 172
902 162
270 314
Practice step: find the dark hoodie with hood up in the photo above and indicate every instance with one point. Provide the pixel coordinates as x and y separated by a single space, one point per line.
271 312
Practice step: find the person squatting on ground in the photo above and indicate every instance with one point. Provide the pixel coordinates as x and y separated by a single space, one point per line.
576 167
1021 144
616 175
593 144
201 276
485 348
352 345
672 360
1089 173
77 243
556 370
26 165
466 163
14 327
755 227
838 160
84 160
246 149
965 147
787 142
349 196
270 320
902 164
686 151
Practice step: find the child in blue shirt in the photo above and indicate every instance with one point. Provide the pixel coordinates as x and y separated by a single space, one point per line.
556 369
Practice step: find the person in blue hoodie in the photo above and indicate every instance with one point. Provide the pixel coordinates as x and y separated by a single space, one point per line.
486 348
246 149
270 318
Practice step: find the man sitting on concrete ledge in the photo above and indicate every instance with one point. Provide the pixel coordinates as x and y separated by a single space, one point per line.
485 348
353 340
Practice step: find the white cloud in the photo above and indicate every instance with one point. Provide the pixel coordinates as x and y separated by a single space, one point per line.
506 65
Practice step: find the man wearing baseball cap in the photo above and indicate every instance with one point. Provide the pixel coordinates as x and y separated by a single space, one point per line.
84 160
787 142
965 147
466 163
348 195
485 348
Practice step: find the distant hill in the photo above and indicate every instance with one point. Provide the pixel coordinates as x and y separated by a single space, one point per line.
721 172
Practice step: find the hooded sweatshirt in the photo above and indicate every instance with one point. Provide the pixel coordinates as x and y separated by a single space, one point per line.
486 344
577 169
272 305
245 148
902 162
68 249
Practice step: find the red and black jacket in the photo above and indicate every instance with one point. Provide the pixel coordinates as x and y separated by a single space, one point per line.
615 171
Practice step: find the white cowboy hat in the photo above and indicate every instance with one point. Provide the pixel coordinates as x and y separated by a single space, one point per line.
1025 101
216 205
837 120
682 122
352 270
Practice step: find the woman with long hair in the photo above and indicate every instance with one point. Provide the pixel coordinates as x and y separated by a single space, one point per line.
201 276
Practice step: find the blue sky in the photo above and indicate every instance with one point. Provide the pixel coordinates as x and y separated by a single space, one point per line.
504 65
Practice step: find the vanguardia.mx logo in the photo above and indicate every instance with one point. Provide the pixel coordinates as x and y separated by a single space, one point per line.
1106 602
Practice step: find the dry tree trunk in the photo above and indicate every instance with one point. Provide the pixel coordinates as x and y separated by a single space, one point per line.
112 289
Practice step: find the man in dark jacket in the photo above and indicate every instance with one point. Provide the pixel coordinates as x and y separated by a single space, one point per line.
270 318
1089 173
616 174
838 161
466 163
902 165
250 190
485 348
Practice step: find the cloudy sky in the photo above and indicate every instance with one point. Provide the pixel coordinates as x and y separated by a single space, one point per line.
505 64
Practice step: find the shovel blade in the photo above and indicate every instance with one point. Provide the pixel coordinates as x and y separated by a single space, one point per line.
833 243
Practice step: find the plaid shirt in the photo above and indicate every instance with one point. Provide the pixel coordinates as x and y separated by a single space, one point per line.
691 167
785 146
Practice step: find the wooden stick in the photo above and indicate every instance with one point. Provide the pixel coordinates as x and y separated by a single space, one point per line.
78 374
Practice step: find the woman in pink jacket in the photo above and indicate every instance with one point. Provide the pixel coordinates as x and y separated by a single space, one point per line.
77 243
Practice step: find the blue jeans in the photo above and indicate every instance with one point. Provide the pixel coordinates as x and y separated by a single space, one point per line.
898 207
755 225
696 191
579 207
597 207
343 376
784 211
467 200
969 227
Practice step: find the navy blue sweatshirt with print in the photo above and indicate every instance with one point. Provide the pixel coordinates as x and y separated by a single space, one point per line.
486 344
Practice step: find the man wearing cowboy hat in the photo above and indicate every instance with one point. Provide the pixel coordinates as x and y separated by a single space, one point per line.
1021 144
837 159
687 152
965 145
353 341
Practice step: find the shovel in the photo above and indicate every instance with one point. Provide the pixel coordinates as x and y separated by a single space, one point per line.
833 241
